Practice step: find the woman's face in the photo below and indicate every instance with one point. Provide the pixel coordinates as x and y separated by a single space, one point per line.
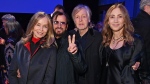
41 27
116 20
81 19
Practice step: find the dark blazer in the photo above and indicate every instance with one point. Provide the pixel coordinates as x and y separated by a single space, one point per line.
40 69
68 64
91 56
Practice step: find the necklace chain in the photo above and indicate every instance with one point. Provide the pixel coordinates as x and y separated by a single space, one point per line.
114 40
108 55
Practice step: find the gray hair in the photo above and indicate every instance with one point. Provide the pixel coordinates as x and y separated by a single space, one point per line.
8 17
143 3
79 7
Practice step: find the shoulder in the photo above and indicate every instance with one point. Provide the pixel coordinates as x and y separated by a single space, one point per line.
53 45
19 43
96 34
71 32
138 39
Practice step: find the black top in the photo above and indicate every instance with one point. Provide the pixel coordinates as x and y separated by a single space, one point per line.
120 62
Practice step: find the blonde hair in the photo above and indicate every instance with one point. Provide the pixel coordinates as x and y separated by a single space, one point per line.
128 28
49 37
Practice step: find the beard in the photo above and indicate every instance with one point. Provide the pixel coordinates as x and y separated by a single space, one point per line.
58 33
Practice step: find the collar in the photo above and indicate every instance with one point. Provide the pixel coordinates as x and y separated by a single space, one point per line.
35 40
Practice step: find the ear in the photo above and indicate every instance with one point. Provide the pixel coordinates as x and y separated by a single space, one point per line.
89 20
67 27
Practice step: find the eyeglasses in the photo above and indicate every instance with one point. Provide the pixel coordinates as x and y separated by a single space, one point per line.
58 22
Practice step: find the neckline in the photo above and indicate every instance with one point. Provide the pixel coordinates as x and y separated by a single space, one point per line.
117 48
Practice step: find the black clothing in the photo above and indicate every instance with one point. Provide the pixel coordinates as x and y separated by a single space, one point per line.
2 57
91 56
120 61
68 65
40 69
142 27
58 41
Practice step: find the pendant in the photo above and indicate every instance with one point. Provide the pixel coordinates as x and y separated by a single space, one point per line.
107 64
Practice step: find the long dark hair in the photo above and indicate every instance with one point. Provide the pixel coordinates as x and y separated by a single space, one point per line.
14 29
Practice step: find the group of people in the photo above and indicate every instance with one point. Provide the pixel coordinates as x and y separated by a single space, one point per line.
49 54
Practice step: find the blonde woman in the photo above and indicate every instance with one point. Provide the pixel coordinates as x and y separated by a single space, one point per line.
35 54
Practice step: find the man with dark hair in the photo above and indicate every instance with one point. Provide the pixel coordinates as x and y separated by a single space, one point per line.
142 27
59 8
69 61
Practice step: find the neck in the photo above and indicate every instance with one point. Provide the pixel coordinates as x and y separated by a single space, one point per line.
117 34
82 32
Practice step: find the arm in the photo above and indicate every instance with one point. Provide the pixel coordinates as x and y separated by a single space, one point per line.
51 67
76 55
137 52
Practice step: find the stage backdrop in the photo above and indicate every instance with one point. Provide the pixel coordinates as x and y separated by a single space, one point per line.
28 6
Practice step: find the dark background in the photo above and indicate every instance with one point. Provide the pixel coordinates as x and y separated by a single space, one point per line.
97 12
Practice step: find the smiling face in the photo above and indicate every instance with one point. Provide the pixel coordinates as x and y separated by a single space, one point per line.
41 27
59 25
116 20
81 20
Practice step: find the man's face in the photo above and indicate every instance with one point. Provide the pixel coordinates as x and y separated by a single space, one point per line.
4 22
148 9
59 25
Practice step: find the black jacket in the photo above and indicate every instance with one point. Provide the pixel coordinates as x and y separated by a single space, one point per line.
91 56
40 69
120 69
142 27
68 65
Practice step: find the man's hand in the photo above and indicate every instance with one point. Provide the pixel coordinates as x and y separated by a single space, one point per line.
136 66
72 46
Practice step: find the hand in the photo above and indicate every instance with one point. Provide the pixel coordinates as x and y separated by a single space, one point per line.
18 74
6 81
2 41
136 66
72 46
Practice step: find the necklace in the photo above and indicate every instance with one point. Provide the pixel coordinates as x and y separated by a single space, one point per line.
114 40
108 55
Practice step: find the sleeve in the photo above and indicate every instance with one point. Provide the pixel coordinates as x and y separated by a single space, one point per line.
51 68
78 61
128 74
137 51
12 72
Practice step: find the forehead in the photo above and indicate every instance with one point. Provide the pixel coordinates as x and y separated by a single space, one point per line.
82 11
43 20
4 20
60 18
116 11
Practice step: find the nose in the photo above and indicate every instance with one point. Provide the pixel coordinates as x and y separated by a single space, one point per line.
80 19
116 19
59 24
41 28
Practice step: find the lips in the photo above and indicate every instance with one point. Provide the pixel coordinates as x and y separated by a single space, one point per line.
40 33
115 25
